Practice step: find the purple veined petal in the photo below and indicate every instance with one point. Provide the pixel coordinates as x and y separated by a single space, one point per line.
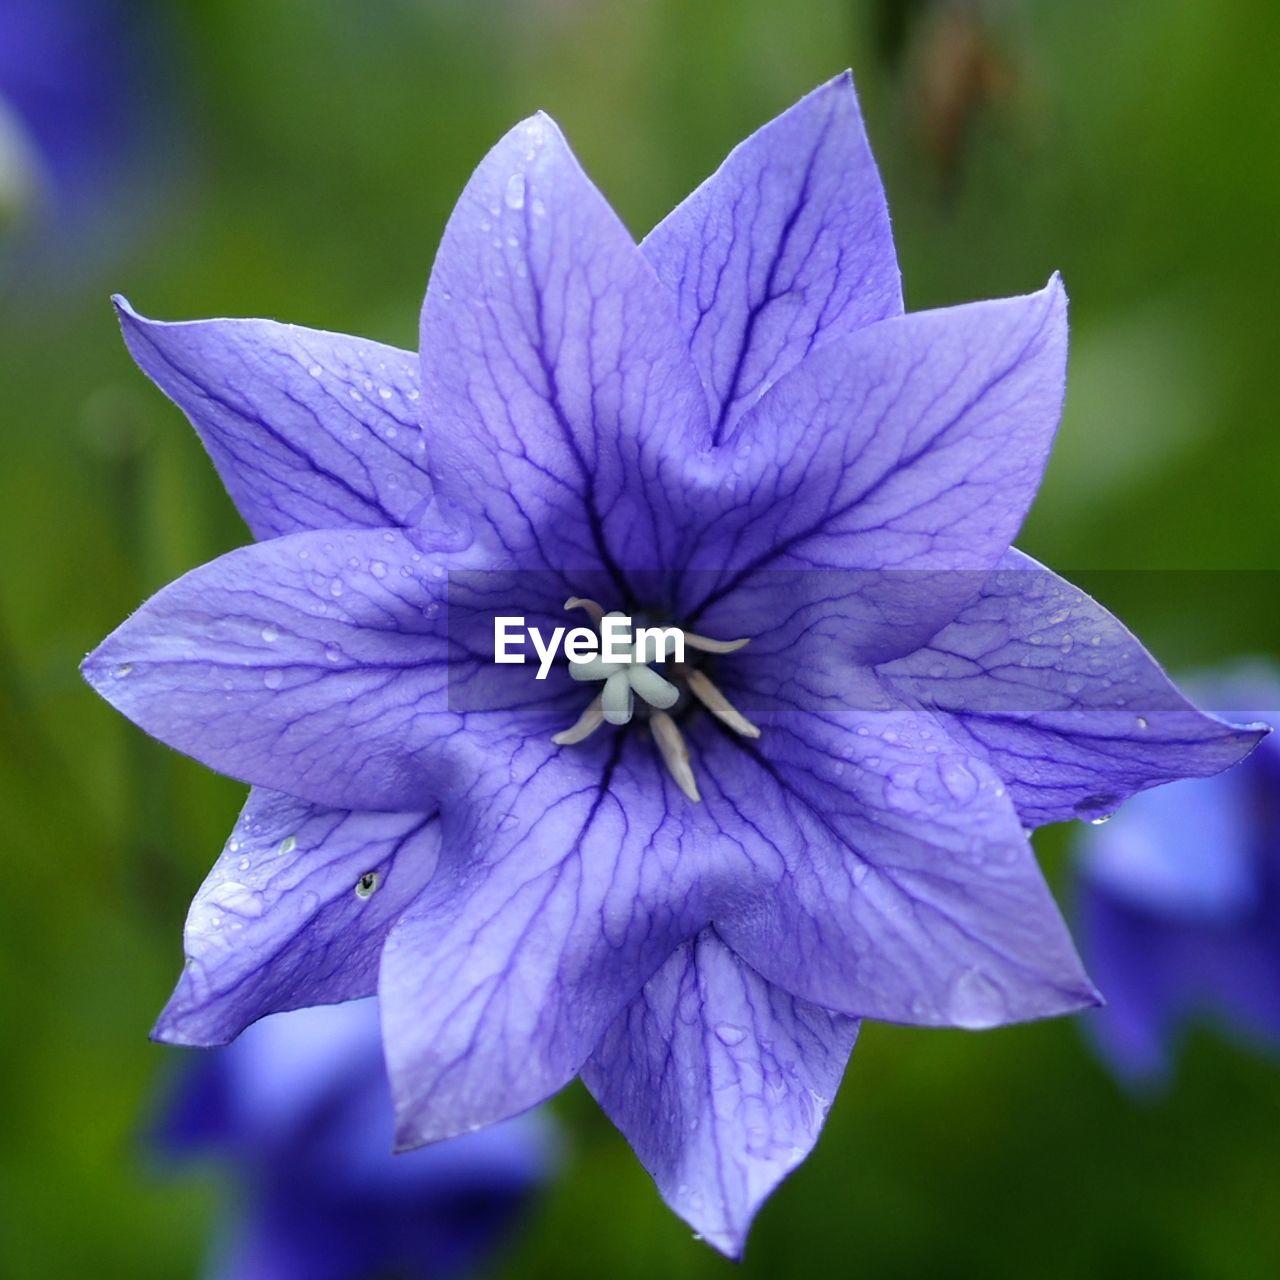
903 886
552 358
294 913
1070 709
308 430
587 869
721 1082
322 664
785 246
887 474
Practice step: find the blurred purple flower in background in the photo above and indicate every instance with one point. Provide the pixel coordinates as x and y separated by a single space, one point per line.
733 429
298 1112
1179 901
80 84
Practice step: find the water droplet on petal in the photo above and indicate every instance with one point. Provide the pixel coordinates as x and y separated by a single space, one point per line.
515 191
1096 809
335 587
270 634
730 1033
315 371
367 885
960 783
975 1002
123 670
287 845
272 679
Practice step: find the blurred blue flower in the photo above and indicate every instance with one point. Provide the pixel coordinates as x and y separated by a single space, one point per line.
81 118
298 1110
1179 899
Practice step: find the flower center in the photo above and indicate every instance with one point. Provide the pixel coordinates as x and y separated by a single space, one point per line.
623 682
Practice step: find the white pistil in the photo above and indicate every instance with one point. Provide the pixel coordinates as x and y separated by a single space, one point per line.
624 681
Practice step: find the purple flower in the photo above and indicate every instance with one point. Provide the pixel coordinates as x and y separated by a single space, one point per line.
733 429
1179 902
298 1110
71 119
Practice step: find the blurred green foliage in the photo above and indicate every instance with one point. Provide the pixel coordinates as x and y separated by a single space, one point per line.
321 145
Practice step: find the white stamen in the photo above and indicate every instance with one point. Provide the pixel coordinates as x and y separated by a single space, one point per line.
702 688
585 725
707 645
675 753
592 610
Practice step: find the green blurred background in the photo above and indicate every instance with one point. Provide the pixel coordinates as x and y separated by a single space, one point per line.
304 155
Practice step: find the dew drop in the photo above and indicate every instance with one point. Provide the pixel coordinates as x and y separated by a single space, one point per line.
367 885
315 371
730 1033
1096 809
332 653
959 782
272 679
270 634
974 1001
123 670
287 845
335 587
377 568
1143 723
515 191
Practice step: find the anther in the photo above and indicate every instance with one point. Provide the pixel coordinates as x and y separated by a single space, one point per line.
585 725
675 753
592 610
702 688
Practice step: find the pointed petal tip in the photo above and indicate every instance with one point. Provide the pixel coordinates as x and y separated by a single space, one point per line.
175 1027
728 1238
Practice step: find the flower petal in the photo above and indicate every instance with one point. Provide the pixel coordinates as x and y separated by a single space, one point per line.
283 920
320 664
308 430
721 1083
588 869
883 471
1072 712
905 888
786 245
552 361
